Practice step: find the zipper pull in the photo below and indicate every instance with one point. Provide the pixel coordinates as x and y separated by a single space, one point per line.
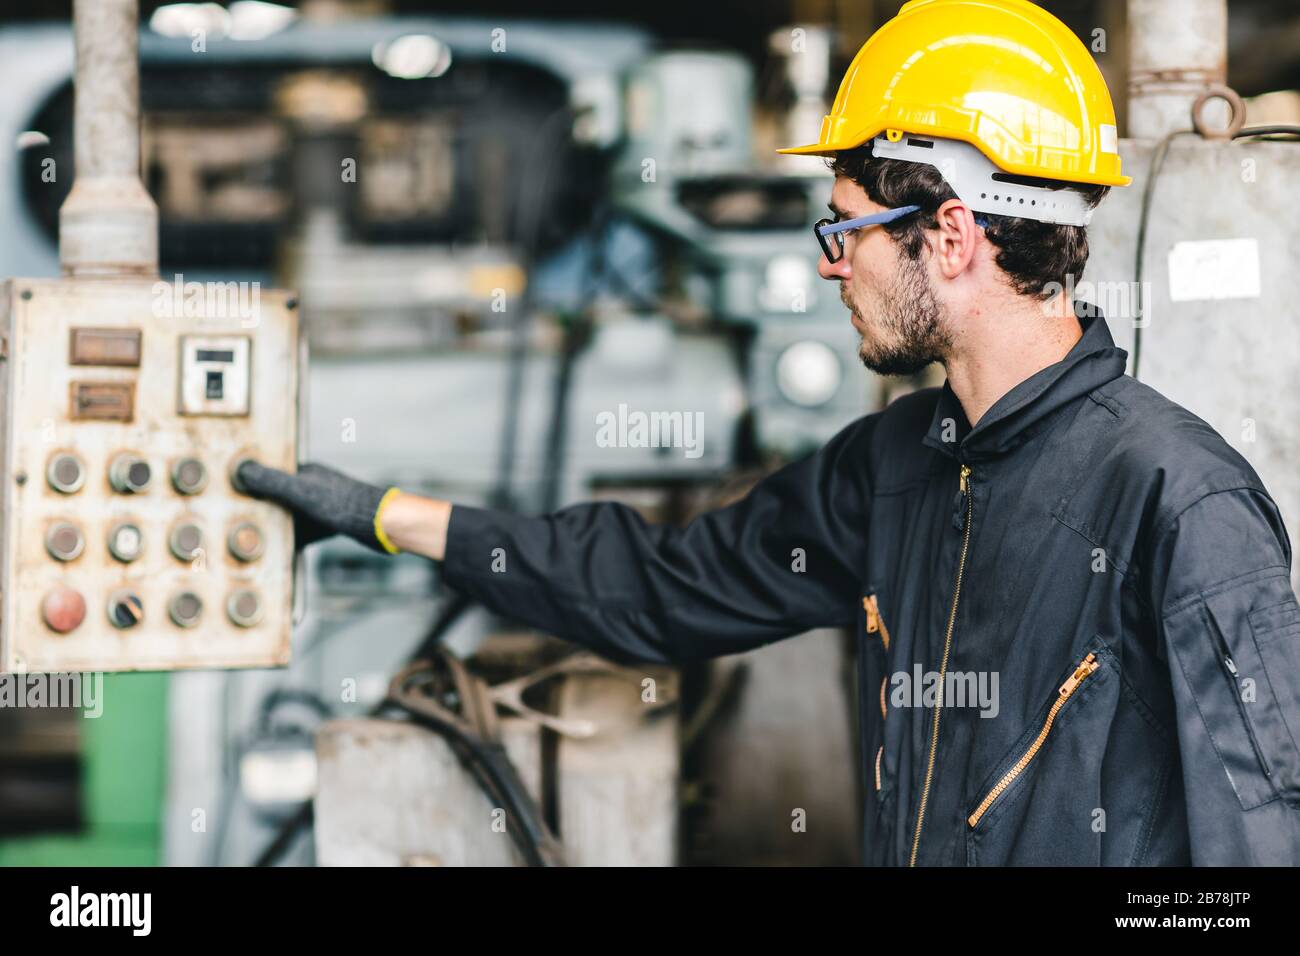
1085 668
959 503
873 615
1225 654
875 621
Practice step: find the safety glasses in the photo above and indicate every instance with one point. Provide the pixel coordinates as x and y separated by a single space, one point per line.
830 232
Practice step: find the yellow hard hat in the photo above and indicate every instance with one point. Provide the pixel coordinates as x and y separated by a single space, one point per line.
1003 75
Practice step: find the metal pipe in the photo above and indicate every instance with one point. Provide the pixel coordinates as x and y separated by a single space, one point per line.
108 225
807 52
1177 50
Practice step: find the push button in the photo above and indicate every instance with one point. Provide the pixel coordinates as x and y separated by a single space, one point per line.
64 541
189 476
125 542
186 541
244 608
63 610
245 541
129 474
234 475
185 609
65 473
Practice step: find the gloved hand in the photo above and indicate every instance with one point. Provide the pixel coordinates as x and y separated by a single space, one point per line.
324 502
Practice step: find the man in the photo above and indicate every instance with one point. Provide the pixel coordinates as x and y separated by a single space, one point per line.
1078 633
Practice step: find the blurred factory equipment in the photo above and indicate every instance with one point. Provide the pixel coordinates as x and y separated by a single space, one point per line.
485 275
689 173
805 54
392 796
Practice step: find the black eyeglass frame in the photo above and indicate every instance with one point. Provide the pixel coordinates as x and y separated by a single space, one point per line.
830 229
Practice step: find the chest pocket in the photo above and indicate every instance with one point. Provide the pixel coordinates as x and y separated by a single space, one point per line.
1038 804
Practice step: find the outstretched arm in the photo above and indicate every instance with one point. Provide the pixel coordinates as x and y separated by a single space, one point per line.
785 559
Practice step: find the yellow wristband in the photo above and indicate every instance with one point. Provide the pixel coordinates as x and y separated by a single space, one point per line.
380 536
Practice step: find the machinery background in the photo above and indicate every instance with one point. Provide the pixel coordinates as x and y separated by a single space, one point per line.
503 227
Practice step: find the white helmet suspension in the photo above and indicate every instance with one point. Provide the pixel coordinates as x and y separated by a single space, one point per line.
983 186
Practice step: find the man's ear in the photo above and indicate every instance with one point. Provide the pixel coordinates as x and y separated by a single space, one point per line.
955 238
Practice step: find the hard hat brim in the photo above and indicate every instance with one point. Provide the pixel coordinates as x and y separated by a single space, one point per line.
812 149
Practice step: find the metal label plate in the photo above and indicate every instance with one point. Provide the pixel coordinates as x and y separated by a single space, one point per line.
102 401
104 346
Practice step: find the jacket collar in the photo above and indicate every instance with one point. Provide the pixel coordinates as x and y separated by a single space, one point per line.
1092 362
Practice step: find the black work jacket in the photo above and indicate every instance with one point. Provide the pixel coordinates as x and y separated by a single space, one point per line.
1078 636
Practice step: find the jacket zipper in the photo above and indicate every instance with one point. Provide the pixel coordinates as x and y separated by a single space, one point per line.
1081 673
964 489
876 625
1230 672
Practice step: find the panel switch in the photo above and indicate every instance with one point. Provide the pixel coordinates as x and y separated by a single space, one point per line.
125 609
215 374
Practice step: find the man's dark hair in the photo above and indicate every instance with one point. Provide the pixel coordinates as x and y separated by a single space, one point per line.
1032 254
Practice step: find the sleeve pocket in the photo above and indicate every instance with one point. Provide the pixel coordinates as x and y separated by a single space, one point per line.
1236 649
1275 632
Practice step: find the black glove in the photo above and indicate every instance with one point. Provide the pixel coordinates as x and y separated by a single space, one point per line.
324 502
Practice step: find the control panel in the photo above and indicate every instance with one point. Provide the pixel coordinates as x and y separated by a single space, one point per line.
127 544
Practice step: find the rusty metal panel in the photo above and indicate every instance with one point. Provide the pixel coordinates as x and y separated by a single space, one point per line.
119 514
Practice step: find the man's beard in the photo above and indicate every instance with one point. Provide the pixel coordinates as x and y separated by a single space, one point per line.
911 312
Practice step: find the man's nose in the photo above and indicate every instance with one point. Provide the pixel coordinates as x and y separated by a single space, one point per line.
833 270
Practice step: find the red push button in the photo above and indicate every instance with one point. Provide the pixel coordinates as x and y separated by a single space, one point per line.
63 609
